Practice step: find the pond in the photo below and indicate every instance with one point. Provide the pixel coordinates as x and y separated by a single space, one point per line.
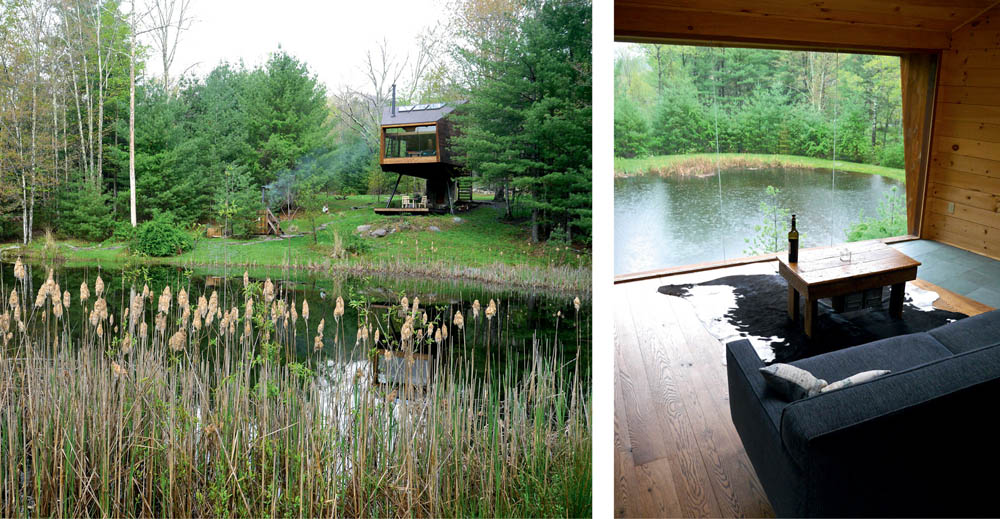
670 221
520 316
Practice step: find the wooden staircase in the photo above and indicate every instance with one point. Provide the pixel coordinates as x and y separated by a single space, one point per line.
464 189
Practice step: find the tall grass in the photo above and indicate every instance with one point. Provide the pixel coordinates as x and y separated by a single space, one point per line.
705 164
161 405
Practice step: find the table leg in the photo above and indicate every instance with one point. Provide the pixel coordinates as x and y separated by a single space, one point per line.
793 304
811 309
896 300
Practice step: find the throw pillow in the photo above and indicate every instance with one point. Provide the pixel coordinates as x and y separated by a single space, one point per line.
791 382
858 378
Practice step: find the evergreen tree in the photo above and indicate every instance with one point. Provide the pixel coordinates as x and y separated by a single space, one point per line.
528 123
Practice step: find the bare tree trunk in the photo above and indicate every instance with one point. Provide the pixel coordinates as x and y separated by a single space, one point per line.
131 119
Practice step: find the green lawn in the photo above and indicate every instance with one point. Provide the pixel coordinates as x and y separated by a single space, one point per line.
478 247
704 163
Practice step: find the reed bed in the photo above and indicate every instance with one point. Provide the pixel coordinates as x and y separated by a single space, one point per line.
175 405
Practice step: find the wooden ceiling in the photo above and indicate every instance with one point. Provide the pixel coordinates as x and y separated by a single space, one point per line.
891 25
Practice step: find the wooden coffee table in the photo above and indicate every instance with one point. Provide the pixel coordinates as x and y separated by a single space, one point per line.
821 273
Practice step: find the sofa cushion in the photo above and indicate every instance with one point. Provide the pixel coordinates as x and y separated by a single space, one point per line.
970 333
894 354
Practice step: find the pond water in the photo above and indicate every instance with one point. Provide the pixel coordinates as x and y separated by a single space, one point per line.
520 317
670 221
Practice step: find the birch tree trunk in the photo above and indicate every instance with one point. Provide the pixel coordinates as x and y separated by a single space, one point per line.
131 118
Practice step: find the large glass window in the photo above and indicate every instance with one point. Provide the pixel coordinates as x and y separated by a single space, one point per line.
715 148
410 142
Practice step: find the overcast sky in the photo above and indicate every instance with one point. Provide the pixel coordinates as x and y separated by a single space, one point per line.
330 36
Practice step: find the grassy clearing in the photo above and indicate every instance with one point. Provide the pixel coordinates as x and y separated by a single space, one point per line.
155 407
478 248
705 164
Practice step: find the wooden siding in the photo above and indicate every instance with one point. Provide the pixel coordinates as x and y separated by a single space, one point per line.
962 206
893 26
918 74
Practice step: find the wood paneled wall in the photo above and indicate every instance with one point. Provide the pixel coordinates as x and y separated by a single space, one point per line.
962 203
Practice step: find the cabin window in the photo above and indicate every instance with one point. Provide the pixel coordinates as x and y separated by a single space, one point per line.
716 148
410 142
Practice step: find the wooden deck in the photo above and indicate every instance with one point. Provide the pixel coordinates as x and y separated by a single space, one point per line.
677 453
401 210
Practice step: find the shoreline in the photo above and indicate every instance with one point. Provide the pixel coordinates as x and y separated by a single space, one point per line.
558 280
704 164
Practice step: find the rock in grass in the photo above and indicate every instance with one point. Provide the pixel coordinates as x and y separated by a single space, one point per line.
364 228
378 233
434 228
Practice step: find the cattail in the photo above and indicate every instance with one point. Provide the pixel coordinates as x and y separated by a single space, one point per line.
127 343
438 336
423 318
43 293
165 299
202 305
84 292
99 286
213 308
136 308
405 303
182 298
268 291
475 309
13 299
233 317
305 309
57 310
160 323
388 355
416 305
444 331
100 330
65 299
491 310
246 279
318 343
19 270
146 294
458 320
143 330
377 335
176 341
559 314
576 304
117 369
319 329
407 329
339 309
295 314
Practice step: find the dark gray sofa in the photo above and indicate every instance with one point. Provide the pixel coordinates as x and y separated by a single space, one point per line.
921 441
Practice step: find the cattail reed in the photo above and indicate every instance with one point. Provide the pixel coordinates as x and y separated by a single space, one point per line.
119 424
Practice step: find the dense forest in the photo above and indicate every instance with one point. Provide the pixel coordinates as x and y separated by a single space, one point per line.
678 99
94 142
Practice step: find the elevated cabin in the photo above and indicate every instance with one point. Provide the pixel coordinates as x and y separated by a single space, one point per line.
415 141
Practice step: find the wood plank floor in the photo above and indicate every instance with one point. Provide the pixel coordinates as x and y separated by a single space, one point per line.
677 453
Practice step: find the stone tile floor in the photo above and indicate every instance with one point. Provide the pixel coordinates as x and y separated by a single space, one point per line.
963 272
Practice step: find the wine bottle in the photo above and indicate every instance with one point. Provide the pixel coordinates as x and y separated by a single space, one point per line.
793 243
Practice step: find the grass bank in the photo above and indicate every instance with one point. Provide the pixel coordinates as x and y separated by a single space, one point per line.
157 407
705 164
476 246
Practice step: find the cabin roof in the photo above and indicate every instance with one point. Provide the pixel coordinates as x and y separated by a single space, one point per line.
416 114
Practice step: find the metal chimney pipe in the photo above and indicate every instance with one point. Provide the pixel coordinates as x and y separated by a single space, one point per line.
393 100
